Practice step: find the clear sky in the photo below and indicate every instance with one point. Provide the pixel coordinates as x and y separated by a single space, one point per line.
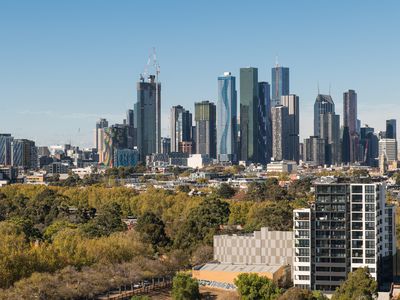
64 64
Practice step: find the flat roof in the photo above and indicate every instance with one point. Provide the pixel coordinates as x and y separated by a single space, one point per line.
240 268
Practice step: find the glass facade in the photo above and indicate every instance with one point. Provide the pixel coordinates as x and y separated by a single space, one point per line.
227 132
280 84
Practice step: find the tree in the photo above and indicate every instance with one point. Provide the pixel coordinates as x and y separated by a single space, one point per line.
225 191
152 230
253 287
359 285
106 221
274 215
202 223
267 190
185 288
295 293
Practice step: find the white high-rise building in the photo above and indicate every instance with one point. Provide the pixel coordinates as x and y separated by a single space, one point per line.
350 226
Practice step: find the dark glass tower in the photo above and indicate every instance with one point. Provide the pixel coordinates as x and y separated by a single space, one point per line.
280 84
391 129
248 114
265 124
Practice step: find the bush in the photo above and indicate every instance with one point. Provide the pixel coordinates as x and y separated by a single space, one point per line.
185 288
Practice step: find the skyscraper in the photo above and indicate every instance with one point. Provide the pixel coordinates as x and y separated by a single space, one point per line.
330 131
323 104
5 148
280 84
181 127
265 122
227 131
314 150
391 129
292 103
370 146
350 111
280 132
131 137
102 123
205 117
148 117
248 114
350 150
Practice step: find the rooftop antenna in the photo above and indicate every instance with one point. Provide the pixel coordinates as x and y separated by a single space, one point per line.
318 86
276 61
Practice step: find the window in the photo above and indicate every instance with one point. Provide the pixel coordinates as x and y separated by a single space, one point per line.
369 225
356 225
303 277
369 198
356 207
370 244
370 189
357 253
356 189
356 198
356 244
338 269
369 207
322 269
369 217
357 261
323 278
357 235
370 261
370 235
356 216
369 253
302 268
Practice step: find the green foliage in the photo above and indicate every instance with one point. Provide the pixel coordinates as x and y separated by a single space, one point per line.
185 288
253 287
106 221
152 229
202 223
274 215
267 190
359 285
225 191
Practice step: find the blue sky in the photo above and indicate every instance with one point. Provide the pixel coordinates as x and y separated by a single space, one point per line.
64 64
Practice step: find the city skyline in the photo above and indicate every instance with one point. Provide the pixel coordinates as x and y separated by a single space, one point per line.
60 74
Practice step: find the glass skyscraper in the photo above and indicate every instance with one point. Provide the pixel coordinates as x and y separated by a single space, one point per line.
323 104
181 127
265 122
227 132
391 129
248 114
280 84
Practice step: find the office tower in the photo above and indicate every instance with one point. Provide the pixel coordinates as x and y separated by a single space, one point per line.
205 117
186 147
194 139
248 114
105 146
391 129
292 103
388 149
280 132
148 117
350 150
350 226
265 122
227 131
24 154
370 146
102 123
130 128
314 150
5 148
280 84
181 127
323 104
165 145
330 131
350 111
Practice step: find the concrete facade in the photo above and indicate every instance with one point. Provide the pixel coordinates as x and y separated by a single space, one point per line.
260 247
